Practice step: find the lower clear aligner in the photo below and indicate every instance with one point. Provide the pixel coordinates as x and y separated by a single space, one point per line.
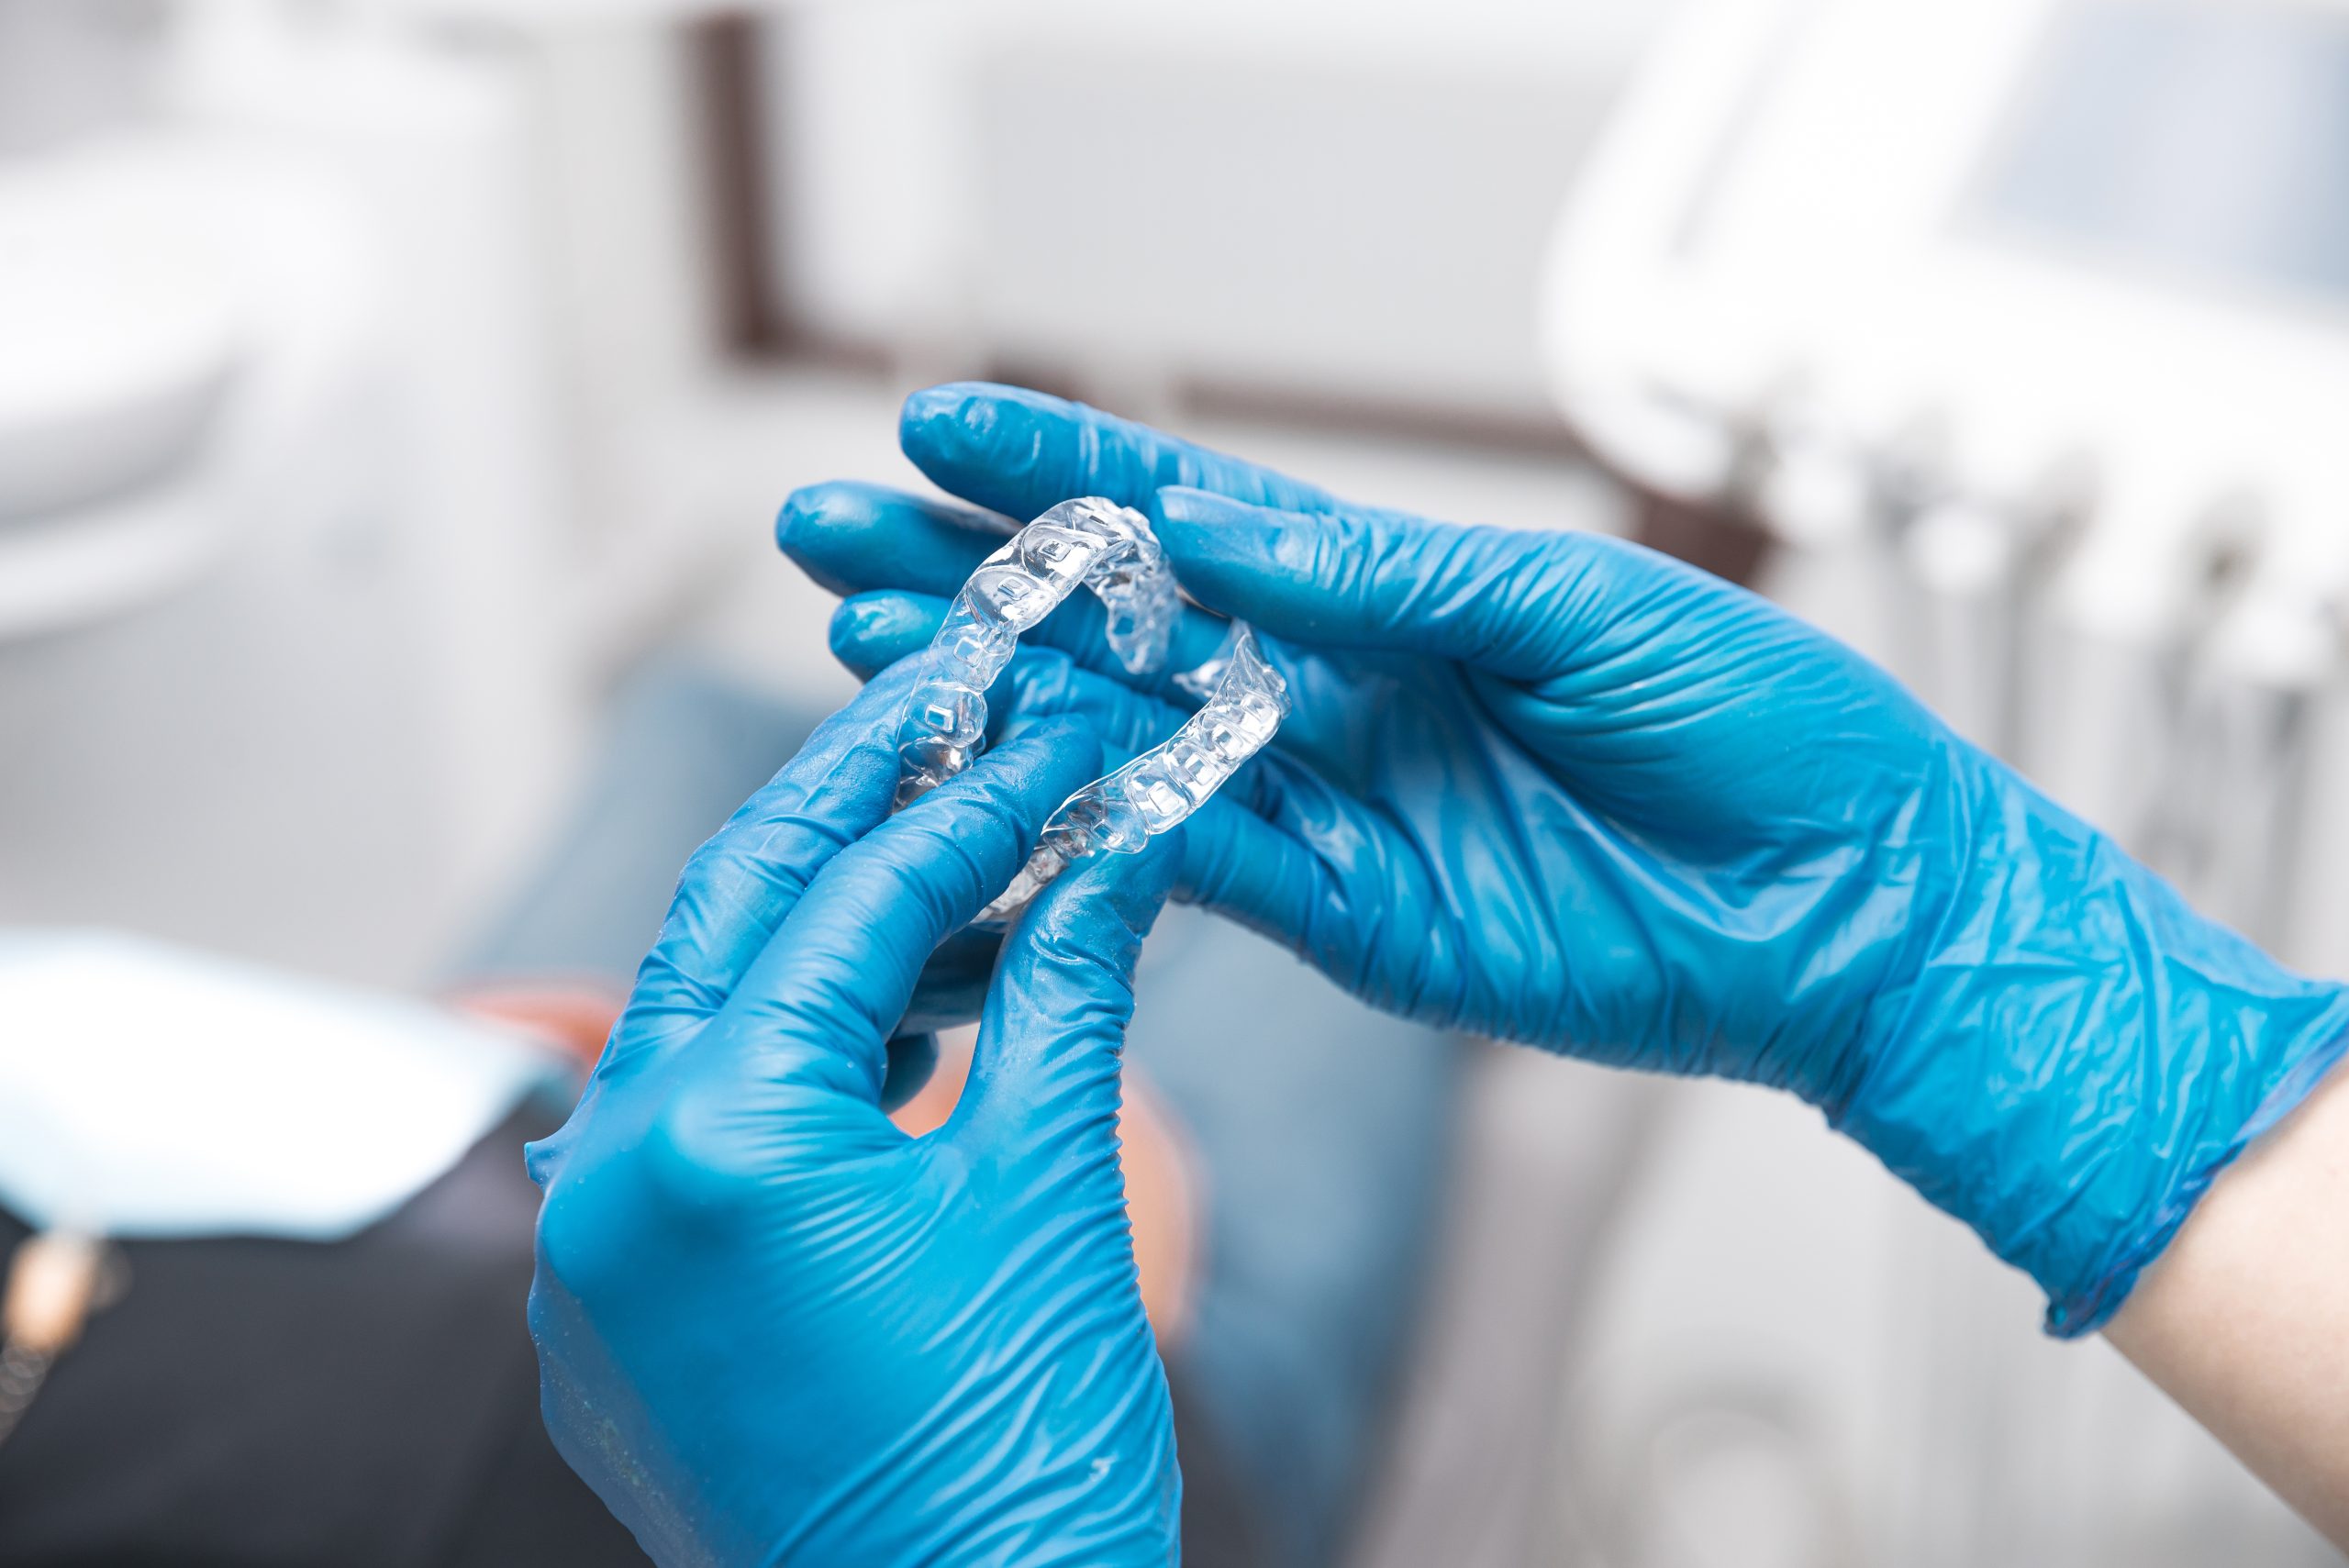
1120 812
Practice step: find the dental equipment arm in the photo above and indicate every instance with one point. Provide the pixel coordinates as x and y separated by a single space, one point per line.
1558 789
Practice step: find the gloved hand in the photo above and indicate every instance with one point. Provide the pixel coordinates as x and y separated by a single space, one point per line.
1560 789
774 1328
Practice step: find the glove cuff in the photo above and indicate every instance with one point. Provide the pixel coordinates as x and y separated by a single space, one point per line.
2093 1306
2080 1055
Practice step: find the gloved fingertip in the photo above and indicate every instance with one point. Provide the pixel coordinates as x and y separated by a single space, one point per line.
801 513
791 519
965 426
823 530
942 402
871 631
813 512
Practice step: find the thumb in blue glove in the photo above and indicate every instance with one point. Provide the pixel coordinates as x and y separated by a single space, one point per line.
772 1328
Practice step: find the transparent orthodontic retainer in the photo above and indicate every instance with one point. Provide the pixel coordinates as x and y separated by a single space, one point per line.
1110 550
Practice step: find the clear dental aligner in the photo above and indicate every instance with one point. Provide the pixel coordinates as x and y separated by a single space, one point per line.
1089 541
1120 813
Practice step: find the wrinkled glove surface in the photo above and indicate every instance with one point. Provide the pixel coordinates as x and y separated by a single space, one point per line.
774 1328
1559 789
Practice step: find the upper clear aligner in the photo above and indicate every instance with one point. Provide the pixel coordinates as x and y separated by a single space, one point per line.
1110 550
1089 541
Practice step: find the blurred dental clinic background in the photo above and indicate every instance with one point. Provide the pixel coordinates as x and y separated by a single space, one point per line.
396 396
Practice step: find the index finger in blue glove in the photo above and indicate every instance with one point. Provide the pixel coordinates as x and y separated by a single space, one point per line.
1019 452
739 885
841 530
1513 603
817 1007
1056 1015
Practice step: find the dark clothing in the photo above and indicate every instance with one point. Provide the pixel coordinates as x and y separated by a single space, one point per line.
372 1403
368 1402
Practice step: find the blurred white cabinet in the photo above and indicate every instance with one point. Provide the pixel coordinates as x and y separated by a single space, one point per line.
1342 202
326 734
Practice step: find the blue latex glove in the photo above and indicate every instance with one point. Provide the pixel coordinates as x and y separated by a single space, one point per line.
1563 790
774 1328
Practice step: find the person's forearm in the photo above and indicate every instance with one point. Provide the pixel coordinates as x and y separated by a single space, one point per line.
2245 1320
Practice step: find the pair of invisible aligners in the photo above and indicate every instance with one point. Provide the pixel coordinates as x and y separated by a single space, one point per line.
1110 550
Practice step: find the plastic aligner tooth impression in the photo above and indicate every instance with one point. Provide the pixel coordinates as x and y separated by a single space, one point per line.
1110 550
1122 811
1089 543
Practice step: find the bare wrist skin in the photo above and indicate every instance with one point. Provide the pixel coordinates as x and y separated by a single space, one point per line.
2244 1320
